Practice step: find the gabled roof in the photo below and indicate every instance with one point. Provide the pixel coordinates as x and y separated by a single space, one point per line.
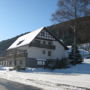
57 39
25 39
28 38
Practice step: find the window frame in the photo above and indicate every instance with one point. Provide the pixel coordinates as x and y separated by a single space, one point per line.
20 42
49 53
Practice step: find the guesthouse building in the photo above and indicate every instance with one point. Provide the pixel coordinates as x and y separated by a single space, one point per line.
38 48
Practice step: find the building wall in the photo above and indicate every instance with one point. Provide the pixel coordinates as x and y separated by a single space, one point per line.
58 53
14 62
14 58
21 61
36 52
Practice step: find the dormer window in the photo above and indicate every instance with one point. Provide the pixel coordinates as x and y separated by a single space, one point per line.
20 42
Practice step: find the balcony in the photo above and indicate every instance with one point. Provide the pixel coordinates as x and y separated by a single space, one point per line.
42 45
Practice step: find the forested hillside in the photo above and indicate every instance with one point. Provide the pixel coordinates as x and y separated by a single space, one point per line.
64 31
6 43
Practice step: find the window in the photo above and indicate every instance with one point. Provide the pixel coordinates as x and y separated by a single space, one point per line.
49 43
44 42
37 41
43 51
40 62
20 62
20 42
4 63
49 53
42 33
10 62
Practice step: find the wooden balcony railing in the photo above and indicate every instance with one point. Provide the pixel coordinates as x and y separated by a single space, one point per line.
42 45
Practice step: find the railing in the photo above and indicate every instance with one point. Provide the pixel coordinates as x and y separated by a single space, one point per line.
42 45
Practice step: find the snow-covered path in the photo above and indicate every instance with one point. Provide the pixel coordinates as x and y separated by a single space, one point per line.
72 78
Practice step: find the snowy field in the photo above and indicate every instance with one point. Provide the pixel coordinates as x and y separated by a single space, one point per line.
75 78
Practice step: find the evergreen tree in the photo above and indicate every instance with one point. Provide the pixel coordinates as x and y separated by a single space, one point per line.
75 55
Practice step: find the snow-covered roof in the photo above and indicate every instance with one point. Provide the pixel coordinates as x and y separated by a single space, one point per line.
25 39
28 38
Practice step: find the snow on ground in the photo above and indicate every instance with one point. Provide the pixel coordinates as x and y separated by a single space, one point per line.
75 78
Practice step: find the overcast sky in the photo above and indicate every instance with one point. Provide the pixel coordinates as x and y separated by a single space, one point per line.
20 16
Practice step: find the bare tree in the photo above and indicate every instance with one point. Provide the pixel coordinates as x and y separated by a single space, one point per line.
72 10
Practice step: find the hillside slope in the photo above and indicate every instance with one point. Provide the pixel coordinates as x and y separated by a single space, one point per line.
6 43
63 30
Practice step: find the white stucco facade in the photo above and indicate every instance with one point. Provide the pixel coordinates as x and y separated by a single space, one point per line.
37 53
57 53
